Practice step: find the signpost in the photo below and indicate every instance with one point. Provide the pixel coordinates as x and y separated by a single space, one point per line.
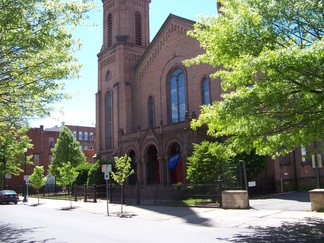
106 168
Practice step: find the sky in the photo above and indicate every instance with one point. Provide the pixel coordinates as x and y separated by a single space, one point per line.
80 110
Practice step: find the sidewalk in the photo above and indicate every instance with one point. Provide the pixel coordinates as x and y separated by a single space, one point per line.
257 216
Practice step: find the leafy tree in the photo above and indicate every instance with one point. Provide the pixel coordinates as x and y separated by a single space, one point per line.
123 171
37 179
36 51
12 143
95 175
272 58
206 163
67 148
67 175
83 170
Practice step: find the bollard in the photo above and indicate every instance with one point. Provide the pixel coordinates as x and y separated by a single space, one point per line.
85 192
220 185
94 193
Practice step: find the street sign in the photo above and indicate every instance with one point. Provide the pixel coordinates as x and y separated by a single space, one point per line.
106 168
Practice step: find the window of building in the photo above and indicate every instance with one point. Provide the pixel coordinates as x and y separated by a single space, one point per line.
108 75
177 96
86 138
36 159
110 23
205 91
91 136
80 136
75 134
108 108
304 157
138 28
51 142
151 111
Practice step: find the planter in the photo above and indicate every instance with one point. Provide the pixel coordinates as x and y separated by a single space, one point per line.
235 199
317 199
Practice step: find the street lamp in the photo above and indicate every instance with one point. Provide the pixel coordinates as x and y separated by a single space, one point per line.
25 184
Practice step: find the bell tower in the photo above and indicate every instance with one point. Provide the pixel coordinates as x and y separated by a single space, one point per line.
125 39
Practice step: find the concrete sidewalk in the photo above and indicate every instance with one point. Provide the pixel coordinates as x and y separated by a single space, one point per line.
257 216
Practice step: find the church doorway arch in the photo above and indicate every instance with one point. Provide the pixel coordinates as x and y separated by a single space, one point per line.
175 164
132 180
152 165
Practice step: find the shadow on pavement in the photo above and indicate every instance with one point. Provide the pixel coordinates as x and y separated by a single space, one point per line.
185 213
15 234
310 230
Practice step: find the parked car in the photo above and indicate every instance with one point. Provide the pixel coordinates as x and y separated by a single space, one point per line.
7 196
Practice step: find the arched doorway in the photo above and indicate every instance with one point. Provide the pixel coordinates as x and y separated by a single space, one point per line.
175 164
152 166
132 180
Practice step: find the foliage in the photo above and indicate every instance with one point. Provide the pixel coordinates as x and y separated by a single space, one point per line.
272 58
83 170
95 175
123 169
37 179
67 175
67 148
206 163
36 51
13 141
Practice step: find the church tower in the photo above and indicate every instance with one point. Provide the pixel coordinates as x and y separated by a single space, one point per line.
125 39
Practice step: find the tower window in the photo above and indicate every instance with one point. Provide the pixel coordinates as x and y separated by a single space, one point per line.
108 120
138 28
151 111
110 30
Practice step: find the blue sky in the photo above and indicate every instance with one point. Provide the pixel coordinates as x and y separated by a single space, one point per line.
80 109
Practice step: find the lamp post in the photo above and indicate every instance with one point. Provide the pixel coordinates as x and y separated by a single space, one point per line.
25 184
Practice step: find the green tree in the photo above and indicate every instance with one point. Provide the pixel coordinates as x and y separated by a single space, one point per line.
83 170
66 149
37 179
123 171
272 58
12 143
36 51
67 175
95 175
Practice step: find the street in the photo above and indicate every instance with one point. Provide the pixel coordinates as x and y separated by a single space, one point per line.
280 218
22 223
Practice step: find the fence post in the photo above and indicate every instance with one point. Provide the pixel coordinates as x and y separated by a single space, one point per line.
95 193
220 185
85 192
75 192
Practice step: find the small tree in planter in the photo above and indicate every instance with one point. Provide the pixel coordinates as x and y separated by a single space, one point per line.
67 176
37 179
123 171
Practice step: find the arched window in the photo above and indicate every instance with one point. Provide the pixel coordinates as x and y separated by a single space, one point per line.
151 111
108 120
177 96
205 91
108 75
138 29
110 30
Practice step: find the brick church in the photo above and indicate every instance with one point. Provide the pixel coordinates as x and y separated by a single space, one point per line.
146 99
146 96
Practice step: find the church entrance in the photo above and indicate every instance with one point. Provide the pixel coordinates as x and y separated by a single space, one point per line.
175 164
152 165
132 180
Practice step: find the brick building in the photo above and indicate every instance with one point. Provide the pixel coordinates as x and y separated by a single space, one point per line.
146 98
43 141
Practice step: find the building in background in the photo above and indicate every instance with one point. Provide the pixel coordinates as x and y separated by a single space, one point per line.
43 141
